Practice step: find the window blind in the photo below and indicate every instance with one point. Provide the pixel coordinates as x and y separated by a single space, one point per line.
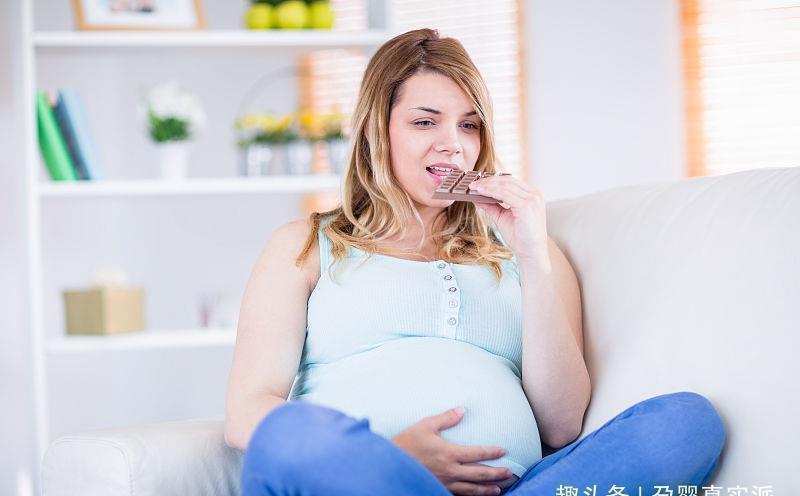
489 32
742 74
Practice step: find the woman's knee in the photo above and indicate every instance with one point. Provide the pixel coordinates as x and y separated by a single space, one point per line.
296 434
695 414
688 419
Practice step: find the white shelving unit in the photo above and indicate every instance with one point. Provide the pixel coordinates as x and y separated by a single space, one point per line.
199 186
292 41
180 338
41 194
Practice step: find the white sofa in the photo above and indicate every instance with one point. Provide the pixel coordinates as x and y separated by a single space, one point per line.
689 285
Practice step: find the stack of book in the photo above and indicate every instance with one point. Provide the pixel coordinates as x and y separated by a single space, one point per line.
68 151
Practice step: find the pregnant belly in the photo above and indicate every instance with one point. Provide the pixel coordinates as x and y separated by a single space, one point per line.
399 382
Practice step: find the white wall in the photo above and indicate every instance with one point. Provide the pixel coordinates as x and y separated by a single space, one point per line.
603 94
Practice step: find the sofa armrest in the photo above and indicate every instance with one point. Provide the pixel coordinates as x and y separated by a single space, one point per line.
170 458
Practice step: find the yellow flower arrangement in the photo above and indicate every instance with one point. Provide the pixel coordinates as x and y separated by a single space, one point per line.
322 127
267 128
273 128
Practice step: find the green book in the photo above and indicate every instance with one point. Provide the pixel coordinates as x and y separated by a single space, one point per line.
51 142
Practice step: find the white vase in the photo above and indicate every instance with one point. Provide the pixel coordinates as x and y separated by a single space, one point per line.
299 155
337 154
255 159
292 158
173 160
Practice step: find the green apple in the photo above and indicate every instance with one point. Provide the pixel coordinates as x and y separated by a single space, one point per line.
259 16
292 14
321 14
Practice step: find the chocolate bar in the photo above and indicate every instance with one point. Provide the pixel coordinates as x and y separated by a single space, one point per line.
455 186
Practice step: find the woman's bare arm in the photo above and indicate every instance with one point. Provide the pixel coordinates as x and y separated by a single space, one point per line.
271 332
554 374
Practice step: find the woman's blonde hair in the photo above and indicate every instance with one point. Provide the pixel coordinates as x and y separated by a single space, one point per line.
374 207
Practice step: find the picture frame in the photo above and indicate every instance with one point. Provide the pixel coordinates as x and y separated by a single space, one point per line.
143 15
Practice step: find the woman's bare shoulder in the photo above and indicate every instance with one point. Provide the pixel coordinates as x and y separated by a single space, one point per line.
291 238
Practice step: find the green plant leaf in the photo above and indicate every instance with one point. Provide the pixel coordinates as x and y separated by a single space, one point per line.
168 129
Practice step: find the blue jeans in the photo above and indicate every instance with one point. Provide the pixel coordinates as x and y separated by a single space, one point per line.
301 449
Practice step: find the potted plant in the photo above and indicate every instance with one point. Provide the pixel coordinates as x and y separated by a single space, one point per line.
173 118
329 129
336 140
271 144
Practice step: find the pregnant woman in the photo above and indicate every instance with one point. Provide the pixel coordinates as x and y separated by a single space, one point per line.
401 345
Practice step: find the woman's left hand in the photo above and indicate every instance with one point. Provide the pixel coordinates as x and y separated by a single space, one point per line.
522 221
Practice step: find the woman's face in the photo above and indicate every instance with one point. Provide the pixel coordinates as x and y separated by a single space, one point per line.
433 123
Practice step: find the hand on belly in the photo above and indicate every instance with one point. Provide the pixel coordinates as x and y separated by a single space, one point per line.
502 484
401 400
505 484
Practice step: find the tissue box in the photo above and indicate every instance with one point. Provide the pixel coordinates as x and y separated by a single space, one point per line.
104 310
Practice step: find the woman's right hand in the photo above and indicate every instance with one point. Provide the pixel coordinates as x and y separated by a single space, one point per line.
454 465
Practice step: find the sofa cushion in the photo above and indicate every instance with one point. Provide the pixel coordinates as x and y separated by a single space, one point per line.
695 285
170 458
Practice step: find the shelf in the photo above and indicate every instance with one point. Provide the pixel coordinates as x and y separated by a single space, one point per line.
197 186
144 340
288 39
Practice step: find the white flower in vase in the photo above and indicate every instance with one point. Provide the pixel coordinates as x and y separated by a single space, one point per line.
173 117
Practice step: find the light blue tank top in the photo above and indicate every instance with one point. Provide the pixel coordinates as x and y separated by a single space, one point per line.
395 340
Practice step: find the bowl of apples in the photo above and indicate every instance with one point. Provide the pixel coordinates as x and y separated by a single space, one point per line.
289 14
